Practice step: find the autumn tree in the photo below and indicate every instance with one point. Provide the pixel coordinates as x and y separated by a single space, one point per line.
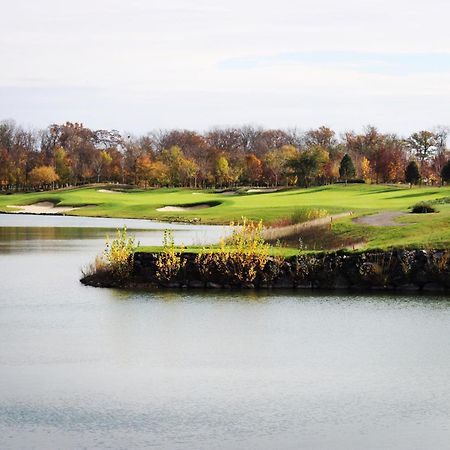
144 169
224 156
249 135
253 169
424 145
222 170
276 162
189 171
442 153
79 143
19 153
62 165
181 171
321 137
308 165
43 176
366 169
134 149
226 140
389 159
159 174
268 140
101 161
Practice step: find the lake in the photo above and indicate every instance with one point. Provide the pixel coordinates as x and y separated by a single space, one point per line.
84 367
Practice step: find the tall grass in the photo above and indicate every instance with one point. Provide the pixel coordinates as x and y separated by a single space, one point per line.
117 259
300 215
169 262
240 258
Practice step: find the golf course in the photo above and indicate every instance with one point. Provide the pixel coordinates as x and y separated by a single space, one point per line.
402 229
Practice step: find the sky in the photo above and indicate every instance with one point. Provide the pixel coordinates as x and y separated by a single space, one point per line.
139 65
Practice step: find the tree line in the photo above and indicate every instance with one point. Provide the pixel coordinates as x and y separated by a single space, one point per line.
71 154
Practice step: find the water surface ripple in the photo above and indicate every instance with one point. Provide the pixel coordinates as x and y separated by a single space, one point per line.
82 367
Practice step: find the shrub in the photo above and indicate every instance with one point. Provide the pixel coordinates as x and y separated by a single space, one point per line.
119 255
440 201
205 263
169 262
238 260
423 208
98 267
353 181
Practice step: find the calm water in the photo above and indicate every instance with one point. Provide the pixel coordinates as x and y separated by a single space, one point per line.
82 367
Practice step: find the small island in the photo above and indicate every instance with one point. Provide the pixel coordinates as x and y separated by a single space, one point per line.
364 211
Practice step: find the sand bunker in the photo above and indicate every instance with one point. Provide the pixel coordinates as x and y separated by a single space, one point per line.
384 219
182 208
41 208
108 191
261 191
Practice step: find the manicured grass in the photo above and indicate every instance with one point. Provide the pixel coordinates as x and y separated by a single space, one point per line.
422 229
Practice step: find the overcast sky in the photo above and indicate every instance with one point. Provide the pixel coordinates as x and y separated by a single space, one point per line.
138 65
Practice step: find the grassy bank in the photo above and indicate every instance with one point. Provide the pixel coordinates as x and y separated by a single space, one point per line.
419 230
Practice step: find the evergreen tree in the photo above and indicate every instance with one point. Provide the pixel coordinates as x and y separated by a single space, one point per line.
445 172
412 174
347 168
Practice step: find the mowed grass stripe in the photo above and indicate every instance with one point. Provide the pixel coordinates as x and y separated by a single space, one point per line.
422 229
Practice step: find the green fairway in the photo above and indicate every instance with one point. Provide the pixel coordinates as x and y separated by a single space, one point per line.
421 229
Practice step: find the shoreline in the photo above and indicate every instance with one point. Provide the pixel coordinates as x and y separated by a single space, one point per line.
396 270
63 214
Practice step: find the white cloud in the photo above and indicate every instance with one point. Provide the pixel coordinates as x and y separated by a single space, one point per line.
143 64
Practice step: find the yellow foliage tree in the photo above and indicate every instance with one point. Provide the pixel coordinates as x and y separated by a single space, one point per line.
43 176
366 169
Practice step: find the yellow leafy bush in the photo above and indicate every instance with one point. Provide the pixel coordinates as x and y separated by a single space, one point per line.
205 263
119 254
169 261
241 258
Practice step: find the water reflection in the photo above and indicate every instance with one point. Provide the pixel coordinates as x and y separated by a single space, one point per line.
51 233
25 233
82 367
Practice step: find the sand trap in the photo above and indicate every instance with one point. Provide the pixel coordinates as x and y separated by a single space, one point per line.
182 208
260 191
384 219
228 193
41 208
108 191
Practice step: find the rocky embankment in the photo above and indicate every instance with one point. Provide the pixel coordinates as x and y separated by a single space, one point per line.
405 270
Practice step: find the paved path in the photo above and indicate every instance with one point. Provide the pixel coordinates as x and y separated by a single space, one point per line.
383 219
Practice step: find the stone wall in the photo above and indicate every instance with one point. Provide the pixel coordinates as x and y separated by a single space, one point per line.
386 270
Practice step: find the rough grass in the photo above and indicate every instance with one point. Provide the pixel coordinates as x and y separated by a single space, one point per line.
422 229
274 251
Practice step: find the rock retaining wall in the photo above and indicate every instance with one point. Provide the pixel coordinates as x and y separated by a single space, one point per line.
413 270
